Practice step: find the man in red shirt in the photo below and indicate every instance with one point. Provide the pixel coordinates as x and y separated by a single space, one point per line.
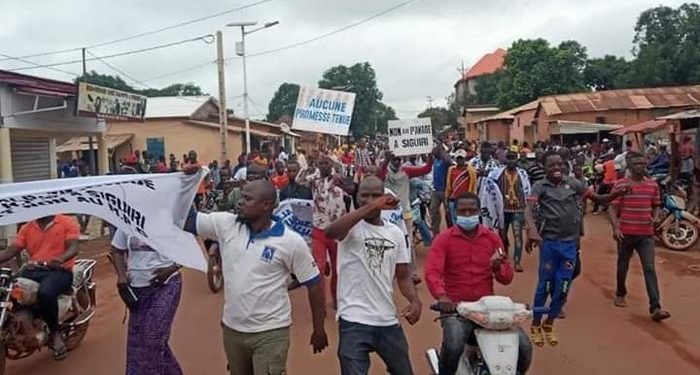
632 217
461 266
52 244
280 178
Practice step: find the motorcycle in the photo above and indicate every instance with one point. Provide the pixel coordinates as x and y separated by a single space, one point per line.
493 348
420 208
215 275
677 228
21 333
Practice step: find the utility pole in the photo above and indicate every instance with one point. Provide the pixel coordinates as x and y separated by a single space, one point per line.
240 51
91 148
223 113
430 102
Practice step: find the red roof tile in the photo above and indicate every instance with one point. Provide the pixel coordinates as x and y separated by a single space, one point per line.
488 64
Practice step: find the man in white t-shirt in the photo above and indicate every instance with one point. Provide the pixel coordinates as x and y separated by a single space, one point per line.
258 255
371 253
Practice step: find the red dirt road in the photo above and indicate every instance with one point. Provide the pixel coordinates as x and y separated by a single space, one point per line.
597 338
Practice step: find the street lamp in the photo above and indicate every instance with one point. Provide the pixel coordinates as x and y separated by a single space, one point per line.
240 51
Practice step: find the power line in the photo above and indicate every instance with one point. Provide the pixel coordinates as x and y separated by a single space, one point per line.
8 57
204 38
134 79
135 36
117 69
180 71
354 24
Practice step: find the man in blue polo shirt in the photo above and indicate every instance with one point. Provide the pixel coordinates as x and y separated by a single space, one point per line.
441 163
258 255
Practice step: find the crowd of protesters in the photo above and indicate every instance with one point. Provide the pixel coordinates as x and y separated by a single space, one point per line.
496 200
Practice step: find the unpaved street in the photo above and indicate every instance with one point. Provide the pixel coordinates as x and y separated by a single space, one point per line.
596 338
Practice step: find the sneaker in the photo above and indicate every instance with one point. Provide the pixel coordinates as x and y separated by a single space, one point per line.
83 237
518 267
658 315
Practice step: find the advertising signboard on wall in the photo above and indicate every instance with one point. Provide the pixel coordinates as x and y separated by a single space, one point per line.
104 102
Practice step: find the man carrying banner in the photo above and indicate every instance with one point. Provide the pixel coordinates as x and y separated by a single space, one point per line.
53 241
258 254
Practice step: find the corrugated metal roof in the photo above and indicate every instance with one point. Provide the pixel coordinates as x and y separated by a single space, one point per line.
27 82
82 143
642 98
643 127
693 113
578 127
487 64
174 106
509 114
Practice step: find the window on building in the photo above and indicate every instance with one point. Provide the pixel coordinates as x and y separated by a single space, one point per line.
155 147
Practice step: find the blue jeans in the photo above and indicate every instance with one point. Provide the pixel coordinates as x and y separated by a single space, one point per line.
456 331
452 210
516 220
52 283
358 340
422 226
556 270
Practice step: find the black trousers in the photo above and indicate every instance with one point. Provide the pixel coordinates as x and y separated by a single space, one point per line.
52 283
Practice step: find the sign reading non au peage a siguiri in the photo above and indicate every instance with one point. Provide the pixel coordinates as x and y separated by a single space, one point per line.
324 111
410 137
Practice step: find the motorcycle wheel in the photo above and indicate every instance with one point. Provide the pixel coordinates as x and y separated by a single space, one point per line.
682 238
215 277
76 337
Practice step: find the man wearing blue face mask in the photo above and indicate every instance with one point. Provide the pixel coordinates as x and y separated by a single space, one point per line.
461 266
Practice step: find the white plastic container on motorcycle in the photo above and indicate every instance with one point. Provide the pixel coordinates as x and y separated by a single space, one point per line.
496 352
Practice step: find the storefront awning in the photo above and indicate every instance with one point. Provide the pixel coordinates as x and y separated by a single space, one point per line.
643 127
235 129
83 144
578 127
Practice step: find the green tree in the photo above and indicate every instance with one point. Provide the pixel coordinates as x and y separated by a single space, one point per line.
440 118
381 116
666 47
176 89
360 79
486 88
533 69
606 73
105 80
116 82
284 102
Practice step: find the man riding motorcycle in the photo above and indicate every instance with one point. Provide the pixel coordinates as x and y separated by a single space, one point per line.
460 267
52 244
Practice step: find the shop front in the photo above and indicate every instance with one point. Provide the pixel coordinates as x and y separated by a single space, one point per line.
35 113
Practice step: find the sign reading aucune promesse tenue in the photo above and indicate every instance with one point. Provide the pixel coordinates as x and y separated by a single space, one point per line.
324 111
104 102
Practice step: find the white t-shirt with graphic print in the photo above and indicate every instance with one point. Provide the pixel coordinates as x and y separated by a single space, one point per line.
367 259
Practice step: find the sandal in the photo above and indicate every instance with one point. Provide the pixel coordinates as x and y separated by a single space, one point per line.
549 335
536 336
659 315
60 354
620 302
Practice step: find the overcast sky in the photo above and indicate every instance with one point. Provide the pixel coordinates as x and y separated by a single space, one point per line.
416 49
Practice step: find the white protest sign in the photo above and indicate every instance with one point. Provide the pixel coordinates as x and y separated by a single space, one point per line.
152 207
410 137
297 215
324 111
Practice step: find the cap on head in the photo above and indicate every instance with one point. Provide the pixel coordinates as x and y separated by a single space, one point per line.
460 154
